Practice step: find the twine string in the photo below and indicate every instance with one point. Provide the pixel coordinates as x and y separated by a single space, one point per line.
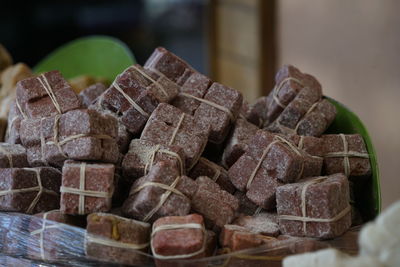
45 84
277 89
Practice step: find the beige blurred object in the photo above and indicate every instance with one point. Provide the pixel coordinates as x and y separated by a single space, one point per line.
9 79
242 51
5 58
352 47
82 82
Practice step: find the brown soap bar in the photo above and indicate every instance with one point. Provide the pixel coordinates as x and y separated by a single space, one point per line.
217 173
269 162
305 115
238 141
256 113
170 65
340 148
196 85
325 198
124 137
91 93
134 95
86 187
317 119
310 144
49 236
14 124
216 205
29 190
246 206
289 82
170 126
148 200
143 154
178 237
12 156
46 95
115 239
219 120
237 238
264 223
80 134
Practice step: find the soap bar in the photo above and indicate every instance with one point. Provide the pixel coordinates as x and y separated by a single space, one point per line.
346 154
170 65
143 154
315 207
29 190
238 141
86 187
12 156
134 95
170 126
79 134
217 173
289 81
91 93
46 95
162 192
112 238
177 238
216 205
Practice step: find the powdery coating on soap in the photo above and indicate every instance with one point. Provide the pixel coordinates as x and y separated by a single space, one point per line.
135 85
175 68
99 177
18 178
140 151
191 136
76 122
196 85
178 241
204 167
54 238
117 229
16 153
312 145
256 113
216 205
238 140
317 121
164 89
91 93
139 204
246 206
323 200
262 223
237 238
289 90
334 143
36 103
219 120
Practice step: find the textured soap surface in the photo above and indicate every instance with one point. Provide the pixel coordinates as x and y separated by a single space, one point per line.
324 199
144 201
97 177
35 100
24 178
12 156
118 230
181 241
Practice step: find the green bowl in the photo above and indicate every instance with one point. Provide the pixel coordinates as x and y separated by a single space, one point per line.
97 56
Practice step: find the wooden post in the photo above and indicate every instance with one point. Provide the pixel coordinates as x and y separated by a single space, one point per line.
242 45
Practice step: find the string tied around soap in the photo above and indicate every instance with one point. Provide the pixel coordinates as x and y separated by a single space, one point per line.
166 227
304 218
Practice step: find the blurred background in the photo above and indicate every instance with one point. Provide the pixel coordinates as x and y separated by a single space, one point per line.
350 46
